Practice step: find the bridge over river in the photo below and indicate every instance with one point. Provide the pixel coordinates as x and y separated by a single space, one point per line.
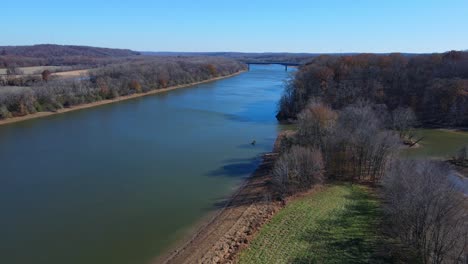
285 64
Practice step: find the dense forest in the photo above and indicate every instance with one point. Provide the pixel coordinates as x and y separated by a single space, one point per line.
48 54
434 86
111 82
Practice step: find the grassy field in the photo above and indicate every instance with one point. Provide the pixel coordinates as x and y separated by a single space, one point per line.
36 69
437 143
335 225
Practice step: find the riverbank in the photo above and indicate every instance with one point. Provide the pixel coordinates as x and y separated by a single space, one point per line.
221 237
109 101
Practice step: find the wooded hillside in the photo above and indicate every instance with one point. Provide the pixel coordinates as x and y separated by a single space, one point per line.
111 82
435 86
48 54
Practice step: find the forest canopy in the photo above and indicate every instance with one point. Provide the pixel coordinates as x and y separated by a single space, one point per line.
434 86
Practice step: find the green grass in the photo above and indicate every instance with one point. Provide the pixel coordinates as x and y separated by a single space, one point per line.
437 144
335 225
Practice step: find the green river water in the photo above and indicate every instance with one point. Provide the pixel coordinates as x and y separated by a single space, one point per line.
119 183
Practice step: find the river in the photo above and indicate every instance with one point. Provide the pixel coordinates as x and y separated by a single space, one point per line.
120 183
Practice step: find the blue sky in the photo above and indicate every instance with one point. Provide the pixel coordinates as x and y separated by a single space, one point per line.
242 25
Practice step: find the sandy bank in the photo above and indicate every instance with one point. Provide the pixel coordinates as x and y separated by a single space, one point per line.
231 228
104 102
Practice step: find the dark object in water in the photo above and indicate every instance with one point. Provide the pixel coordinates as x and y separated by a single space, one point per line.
253 143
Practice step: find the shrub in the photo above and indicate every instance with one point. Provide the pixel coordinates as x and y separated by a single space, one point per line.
4 113
46 75
462 154
135 86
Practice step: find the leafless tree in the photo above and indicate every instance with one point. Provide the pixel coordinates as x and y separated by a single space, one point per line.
297 170
425 210
359 148
403 120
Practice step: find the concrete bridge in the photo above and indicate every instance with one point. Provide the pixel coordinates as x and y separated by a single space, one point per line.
285 64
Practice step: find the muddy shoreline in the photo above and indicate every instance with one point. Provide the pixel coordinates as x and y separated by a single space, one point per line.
104 102
221 236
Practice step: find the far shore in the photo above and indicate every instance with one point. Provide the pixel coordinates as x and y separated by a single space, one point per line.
109 101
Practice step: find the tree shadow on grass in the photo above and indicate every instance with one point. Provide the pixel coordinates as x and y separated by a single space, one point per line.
349 235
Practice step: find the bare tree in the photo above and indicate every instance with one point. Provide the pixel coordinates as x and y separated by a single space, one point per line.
297 170
425 211
403 120
358 148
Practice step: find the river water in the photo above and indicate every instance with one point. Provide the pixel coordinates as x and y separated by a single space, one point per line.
120 183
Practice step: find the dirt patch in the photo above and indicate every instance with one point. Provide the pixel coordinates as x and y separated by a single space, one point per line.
70 74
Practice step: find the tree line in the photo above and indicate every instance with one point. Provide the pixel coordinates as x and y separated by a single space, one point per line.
434 86
352 144
111 82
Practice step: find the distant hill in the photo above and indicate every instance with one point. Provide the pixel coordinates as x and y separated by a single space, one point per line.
58 55
48 50
69 55
259 57
244 56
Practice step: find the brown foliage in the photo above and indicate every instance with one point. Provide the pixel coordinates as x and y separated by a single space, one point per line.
434 86
314 123
45 75
135 86
212 69
354 143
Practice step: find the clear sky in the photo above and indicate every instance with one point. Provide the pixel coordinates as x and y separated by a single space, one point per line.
241 25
